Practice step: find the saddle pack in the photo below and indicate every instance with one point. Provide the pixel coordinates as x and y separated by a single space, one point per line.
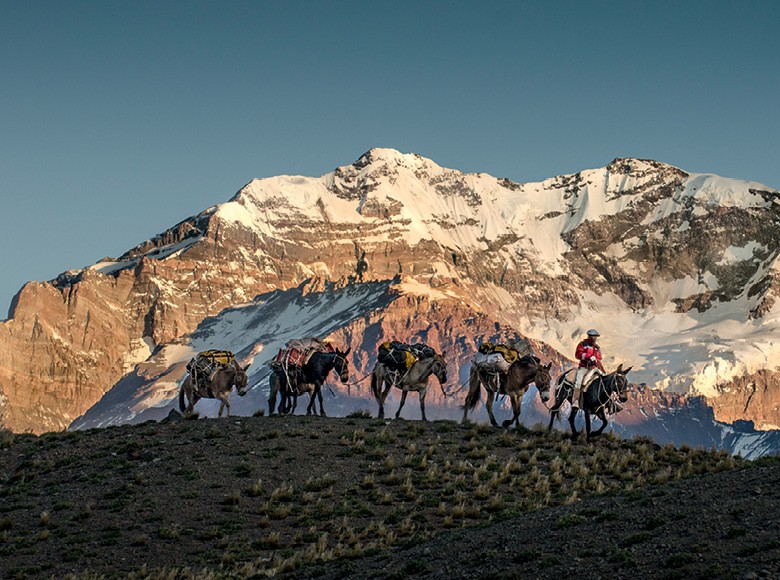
297 352
497 358
400 356
203 367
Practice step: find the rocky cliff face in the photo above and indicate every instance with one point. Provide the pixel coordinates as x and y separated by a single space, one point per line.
678 271
753 397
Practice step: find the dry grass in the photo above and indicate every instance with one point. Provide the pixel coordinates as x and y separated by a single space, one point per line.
361 486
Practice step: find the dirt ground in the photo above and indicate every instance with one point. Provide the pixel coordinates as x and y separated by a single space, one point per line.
359 497
725 525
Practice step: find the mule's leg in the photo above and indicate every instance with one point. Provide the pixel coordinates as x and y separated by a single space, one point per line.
224 404
381 401
489 405
272 403
290 402
192 398
273 390
473 394
311 408
422 403
587 424
401 406
555 412
516 402
319 398
388 386
466 408
572 417
602 415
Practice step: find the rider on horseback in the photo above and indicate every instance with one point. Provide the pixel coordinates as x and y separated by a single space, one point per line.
588 354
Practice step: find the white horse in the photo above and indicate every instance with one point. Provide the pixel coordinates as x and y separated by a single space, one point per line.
414 379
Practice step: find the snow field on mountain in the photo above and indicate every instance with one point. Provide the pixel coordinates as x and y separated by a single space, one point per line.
254 332
465 211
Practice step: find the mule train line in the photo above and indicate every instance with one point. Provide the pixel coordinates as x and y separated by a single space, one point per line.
303 366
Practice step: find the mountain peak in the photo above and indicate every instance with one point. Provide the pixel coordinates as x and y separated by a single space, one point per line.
633 165
385 156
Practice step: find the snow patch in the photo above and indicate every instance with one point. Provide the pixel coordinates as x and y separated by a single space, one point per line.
734 254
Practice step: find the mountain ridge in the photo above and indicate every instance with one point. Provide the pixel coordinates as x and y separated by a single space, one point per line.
682 267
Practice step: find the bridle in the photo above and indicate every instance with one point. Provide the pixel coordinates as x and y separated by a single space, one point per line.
344 373
548 387
442 374
244 387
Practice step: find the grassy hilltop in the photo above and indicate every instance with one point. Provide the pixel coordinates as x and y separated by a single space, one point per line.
356 496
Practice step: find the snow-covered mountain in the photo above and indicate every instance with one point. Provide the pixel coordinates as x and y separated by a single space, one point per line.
682 268
363 315
678 271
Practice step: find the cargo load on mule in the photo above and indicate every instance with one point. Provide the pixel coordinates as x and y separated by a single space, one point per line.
212 375
494 360
297 353
302 367
399 356
203 367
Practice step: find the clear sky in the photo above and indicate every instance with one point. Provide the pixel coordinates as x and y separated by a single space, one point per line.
118 119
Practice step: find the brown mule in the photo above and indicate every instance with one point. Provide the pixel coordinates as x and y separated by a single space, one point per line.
415 379
218 387
520 375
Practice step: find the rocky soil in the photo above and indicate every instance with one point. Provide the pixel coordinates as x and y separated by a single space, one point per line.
360 497
719 526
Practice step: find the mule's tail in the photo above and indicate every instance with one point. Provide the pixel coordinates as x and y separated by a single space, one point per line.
182 405
376 387
561 391
472 398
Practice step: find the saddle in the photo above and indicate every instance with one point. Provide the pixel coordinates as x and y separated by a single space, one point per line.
570 376
399 356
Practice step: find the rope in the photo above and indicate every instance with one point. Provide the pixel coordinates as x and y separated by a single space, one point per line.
461 387
354 383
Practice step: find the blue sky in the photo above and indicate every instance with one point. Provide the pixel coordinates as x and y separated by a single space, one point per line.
118 119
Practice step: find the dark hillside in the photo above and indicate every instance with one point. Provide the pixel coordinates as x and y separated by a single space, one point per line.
365 497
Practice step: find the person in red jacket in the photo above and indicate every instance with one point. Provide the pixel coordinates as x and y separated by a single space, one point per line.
588 354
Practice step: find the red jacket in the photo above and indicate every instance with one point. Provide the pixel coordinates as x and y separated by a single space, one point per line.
585 351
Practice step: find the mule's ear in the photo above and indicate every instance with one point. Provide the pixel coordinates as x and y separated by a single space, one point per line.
620 368
444 354
346 352
246 367
547 367
625 372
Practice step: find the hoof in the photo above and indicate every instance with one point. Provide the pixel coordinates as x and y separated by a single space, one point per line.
507 423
